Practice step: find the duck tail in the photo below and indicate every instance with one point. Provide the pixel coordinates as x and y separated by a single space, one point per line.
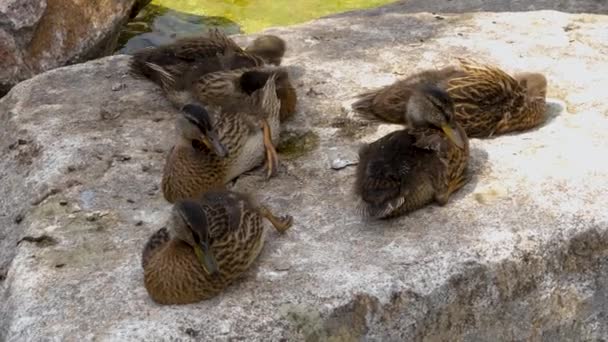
364 106
174 92
158 239
377 211
220 38
140 66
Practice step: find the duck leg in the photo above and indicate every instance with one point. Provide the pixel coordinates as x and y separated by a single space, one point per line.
272 159
281 224
453 186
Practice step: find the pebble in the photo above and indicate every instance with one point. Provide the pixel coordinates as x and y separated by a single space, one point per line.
191 332
96 215
339 163
282 266
123 157
118 86
224 327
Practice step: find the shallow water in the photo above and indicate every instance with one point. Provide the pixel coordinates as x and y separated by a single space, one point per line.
255 15
163 21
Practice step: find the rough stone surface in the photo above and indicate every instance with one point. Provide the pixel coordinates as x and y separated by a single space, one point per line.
520 253
38 35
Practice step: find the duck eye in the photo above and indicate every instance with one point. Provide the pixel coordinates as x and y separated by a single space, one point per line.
197 145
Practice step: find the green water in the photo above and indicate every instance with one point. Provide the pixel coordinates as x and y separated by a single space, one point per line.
256 15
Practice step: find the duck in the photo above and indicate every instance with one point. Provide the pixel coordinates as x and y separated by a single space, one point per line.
487 100
180 65
230 89
205 245
269 47
410 168
211 149
207 53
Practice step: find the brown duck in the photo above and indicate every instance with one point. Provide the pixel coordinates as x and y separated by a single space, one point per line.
212 150
206 53
408 169
180 65
213 240
487 101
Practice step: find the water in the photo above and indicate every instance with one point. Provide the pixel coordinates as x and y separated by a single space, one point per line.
166 20
255 15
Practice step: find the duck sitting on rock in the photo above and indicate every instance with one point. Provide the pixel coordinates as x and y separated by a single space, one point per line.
487 100
181 65
206 54
212 241
408 169
211 150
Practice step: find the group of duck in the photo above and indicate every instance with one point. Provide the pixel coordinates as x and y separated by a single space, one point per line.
232 102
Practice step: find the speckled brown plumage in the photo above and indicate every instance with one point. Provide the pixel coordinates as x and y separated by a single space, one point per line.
188 58
159 238
229 223
270 48
230 88
487 101
191 168
289 99
390 103
190 171
181 68
408 169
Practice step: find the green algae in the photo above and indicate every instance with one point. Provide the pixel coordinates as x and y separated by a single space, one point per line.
294 145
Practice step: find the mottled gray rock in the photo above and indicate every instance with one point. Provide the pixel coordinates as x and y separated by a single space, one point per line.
38 35
520 253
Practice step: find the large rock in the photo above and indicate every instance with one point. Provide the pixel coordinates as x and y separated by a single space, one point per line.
520 253
38 35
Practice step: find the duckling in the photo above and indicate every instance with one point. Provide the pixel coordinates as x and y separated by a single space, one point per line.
390 103
197 148
229 88
180 66
487 100
408 169
236 145
212 241
202 55
270 48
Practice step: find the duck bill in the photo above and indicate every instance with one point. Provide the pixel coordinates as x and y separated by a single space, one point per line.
213 143
454 135
206 258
